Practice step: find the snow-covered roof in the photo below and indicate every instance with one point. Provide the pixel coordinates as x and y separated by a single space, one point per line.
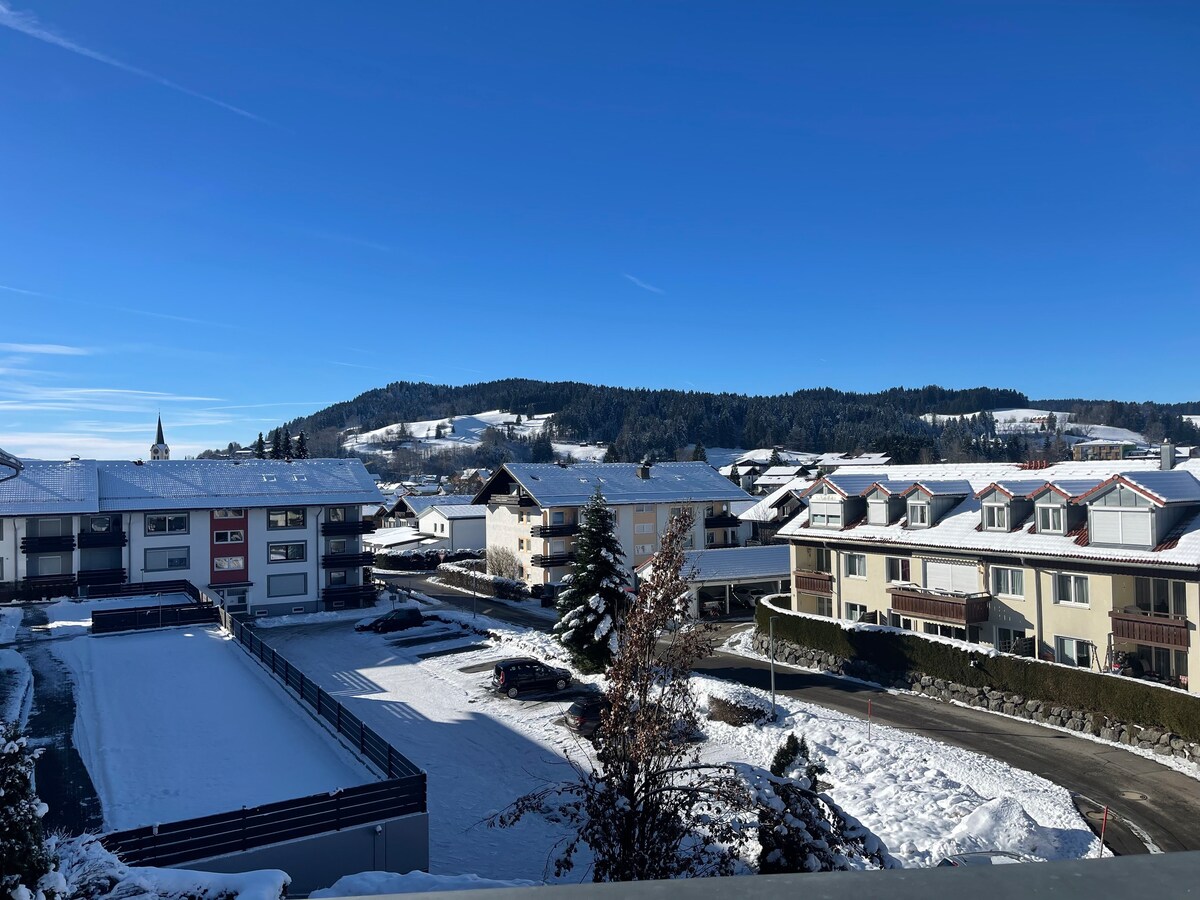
454 511
764 509
844 459
1014 487
120 485
790 471
418 503
958 529
553 485
737 564
1165 488
403 536
953 487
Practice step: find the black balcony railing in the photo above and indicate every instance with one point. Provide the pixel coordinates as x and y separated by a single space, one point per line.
347 560
348 595
89 539
89 577
549 531
345 529
721 545
722 520
50 544
56 582
550 560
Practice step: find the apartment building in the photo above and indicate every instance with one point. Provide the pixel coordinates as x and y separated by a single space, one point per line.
266 536
533 509
1079 562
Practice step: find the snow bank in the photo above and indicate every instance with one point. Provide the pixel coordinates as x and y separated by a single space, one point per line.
10 621
1000 824
318 618
181 723
16 685
70 617
367 884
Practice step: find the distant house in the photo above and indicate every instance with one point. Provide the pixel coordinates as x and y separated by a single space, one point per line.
827 462
776 477
410 506
746 473
720 580
1086 451
461 526
469 481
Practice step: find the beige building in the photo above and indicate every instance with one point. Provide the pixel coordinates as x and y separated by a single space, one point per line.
1084 563
533 509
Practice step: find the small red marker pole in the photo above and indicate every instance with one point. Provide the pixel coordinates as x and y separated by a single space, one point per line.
1103 827
868 720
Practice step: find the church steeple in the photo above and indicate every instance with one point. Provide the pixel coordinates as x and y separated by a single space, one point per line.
160 450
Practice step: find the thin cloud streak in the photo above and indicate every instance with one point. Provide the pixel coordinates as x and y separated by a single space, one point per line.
121 309
17 290
46 349
27 24
645 287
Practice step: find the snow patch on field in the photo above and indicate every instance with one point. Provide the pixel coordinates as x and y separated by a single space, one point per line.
368 884
10 621
72 617
16 686
319 618
181 723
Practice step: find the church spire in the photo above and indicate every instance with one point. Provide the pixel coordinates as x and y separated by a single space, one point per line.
160 450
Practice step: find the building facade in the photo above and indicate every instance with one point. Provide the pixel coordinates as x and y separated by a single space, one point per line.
266 536
533 509
1089 564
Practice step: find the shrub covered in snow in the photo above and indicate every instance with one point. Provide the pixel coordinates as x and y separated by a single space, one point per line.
23 856
471 580
422 560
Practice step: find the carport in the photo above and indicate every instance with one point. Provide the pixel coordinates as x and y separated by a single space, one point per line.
720 578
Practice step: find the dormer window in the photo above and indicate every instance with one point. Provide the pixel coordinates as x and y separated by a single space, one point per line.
995 517
1050 519
918 514
825 511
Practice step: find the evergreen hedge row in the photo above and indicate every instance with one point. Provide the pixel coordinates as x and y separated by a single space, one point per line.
899 653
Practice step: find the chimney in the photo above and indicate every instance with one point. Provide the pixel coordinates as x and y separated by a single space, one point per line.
1166 456
643 469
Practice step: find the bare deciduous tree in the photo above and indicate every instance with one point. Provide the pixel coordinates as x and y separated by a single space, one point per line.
503 562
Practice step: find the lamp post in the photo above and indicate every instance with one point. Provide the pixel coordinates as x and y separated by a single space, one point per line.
771 628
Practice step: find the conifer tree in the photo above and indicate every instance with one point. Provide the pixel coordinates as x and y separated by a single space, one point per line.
776 459
23 856
301 446
699 454
588 608
287 443
611 455
260 448
735 476
277 444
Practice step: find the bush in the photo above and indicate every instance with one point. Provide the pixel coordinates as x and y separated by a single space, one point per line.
1122 699
722 709
422 560
471 580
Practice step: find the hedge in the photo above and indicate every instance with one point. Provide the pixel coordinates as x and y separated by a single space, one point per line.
471 580
1122 699
422 560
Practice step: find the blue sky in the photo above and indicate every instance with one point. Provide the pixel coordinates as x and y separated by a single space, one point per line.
240 212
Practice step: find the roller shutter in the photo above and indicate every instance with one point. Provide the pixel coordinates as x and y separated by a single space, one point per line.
941 575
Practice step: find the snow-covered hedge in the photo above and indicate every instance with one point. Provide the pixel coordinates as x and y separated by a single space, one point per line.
422 560
461 576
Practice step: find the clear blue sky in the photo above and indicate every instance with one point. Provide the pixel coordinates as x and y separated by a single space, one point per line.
255 209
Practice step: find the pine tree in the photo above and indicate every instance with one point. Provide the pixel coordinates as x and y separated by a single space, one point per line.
301 446
23 855
776 459
588 608
699 454
735 476
260 448
287 443
277 444
611 455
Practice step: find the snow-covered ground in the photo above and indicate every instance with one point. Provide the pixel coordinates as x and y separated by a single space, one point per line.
457 431
369 884
10 621
71 617
180 723
924 799
1022 421
16 683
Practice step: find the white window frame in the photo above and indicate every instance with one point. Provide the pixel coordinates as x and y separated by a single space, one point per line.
995 517
1072 580
857 557
187 557
899 563
1002 581
229 563
643 549
45 559
915 520
229 513
643 528
855 611
1060 643
303 557
1047 512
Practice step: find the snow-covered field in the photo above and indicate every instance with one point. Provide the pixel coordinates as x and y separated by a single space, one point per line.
1021 421
179 723
924 799
71 617
457 431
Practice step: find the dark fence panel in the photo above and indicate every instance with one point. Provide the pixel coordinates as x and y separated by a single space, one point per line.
144 617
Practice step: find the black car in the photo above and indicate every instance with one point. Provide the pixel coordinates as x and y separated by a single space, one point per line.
396 620
583 717
516 676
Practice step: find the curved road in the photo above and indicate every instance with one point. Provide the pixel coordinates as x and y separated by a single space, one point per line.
1160 803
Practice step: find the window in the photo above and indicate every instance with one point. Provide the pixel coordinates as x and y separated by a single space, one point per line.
825 607
950 631
292 585
48 527
236 536
337 514
337 545
1071 589
641 507
49 565
229 563
167 523
1160 596
855 611
856 565
268 478
899 569
558 518
995 517
1008 582
286 552
163 559
822 560
229 513
286 518
918 514
1050 519
234 596
95 524
643 549
337 578
1073 651
558 546
676 511
643 528
825 513
710 537
1007 637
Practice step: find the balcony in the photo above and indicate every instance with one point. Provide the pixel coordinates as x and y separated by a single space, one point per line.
722 520
51 544
511 500
89 539
49 582
348 595
550 560
549 531
347 529
924 603
809 581
721 545
1143 627
347 560
91 577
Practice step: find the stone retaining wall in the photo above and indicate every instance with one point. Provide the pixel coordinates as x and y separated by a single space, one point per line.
1148 737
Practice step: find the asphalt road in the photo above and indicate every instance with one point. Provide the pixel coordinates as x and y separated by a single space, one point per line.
1153 804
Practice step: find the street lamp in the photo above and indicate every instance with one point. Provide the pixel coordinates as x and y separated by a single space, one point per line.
774 708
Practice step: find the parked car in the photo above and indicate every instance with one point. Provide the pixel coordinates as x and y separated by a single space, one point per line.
396 620
983 858
583 716
516 676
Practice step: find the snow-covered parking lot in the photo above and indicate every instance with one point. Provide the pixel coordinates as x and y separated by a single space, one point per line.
179 723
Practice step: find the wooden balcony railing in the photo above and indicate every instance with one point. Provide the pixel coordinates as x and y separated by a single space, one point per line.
958 609
1156 629
511 500
57 543
809 581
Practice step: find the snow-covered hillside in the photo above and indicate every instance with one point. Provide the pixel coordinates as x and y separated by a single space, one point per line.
1028 421
456 431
